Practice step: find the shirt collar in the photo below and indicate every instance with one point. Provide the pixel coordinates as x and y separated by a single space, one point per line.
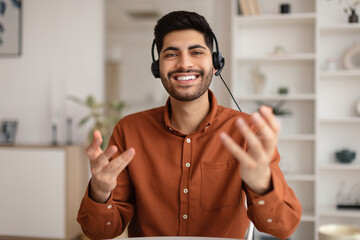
204 125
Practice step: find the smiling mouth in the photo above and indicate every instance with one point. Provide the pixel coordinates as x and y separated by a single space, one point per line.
186 77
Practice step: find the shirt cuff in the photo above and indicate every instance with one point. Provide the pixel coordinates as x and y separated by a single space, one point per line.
96 207
271 197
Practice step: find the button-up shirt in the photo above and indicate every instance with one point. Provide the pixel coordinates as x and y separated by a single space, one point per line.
187 185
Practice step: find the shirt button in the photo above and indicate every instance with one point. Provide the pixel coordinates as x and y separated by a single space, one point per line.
269 220
185 216
187 164
186 190
108 223
109 206
188 140
261 202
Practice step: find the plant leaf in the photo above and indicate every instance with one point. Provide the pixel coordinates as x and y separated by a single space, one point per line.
76 99
90 101
85 119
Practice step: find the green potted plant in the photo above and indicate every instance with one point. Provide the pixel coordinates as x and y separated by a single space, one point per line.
104 115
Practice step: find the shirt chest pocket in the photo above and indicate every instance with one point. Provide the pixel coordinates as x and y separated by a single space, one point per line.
220 185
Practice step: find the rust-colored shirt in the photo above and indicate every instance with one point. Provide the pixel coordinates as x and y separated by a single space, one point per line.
186 185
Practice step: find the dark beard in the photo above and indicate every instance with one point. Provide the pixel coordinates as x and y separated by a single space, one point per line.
202 88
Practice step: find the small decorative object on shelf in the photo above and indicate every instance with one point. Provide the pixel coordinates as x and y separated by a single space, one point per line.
353 18
348 198
8 132
283 90
69 131
331 64
54 134
351 58
345 156
279 50
285 8
258 79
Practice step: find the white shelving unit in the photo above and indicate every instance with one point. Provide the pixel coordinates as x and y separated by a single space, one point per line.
322 101
337 122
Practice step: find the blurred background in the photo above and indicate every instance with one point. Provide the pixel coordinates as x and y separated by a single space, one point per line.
66 58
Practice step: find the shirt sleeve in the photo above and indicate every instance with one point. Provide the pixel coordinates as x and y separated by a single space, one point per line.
109 220
279 211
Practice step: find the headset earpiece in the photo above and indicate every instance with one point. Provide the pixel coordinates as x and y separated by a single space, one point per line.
218 62
217 58
155 69
155 64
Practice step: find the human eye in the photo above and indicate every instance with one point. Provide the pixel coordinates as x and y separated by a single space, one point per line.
197 52
169 55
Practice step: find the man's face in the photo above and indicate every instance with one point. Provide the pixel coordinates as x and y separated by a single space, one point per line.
186 68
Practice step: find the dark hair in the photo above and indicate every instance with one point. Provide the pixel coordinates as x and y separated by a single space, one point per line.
182 20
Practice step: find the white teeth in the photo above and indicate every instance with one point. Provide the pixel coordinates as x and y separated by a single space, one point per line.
186 78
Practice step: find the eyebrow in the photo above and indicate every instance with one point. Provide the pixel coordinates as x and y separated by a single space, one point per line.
189 48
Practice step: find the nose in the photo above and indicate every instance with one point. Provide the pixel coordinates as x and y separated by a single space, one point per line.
184 62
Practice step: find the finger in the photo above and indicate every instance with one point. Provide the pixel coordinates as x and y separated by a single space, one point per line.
103 159
267 135
117 165
236 150
255 145
267 113
94 150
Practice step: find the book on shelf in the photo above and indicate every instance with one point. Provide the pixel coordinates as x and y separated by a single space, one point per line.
256 7
249 7
243 7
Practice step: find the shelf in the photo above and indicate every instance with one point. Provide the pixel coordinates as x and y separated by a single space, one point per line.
334 212
338 166
341 120
297 137
279 57
339 73
293 97
340 28
271 19
300 177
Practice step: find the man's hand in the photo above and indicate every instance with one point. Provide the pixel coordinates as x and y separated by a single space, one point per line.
105 172
255 163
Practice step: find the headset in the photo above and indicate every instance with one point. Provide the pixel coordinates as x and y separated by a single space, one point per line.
217 59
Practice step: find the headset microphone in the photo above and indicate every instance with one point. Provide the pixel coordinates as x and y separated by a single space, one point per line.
217 59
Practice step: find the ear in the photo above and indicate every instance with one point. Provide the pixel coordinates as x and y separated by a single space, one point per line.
214 70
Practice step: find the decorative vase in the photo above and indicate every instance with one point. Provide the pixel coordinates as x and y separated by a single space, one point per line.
351 57
353 18
285 8
345 156
258 79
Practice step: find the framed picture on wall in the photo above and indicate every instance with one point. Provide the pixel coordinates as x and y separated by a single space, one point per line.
10 27
8 132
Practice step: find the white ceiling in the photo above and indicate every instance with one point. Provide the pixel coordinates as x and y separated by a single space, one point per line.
119 19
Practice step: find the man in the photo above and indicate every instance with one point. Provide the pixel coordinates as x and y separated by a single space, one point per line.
195 161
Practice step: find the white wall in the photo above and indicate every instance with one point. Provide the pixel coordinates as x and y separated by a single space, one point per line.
63 49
